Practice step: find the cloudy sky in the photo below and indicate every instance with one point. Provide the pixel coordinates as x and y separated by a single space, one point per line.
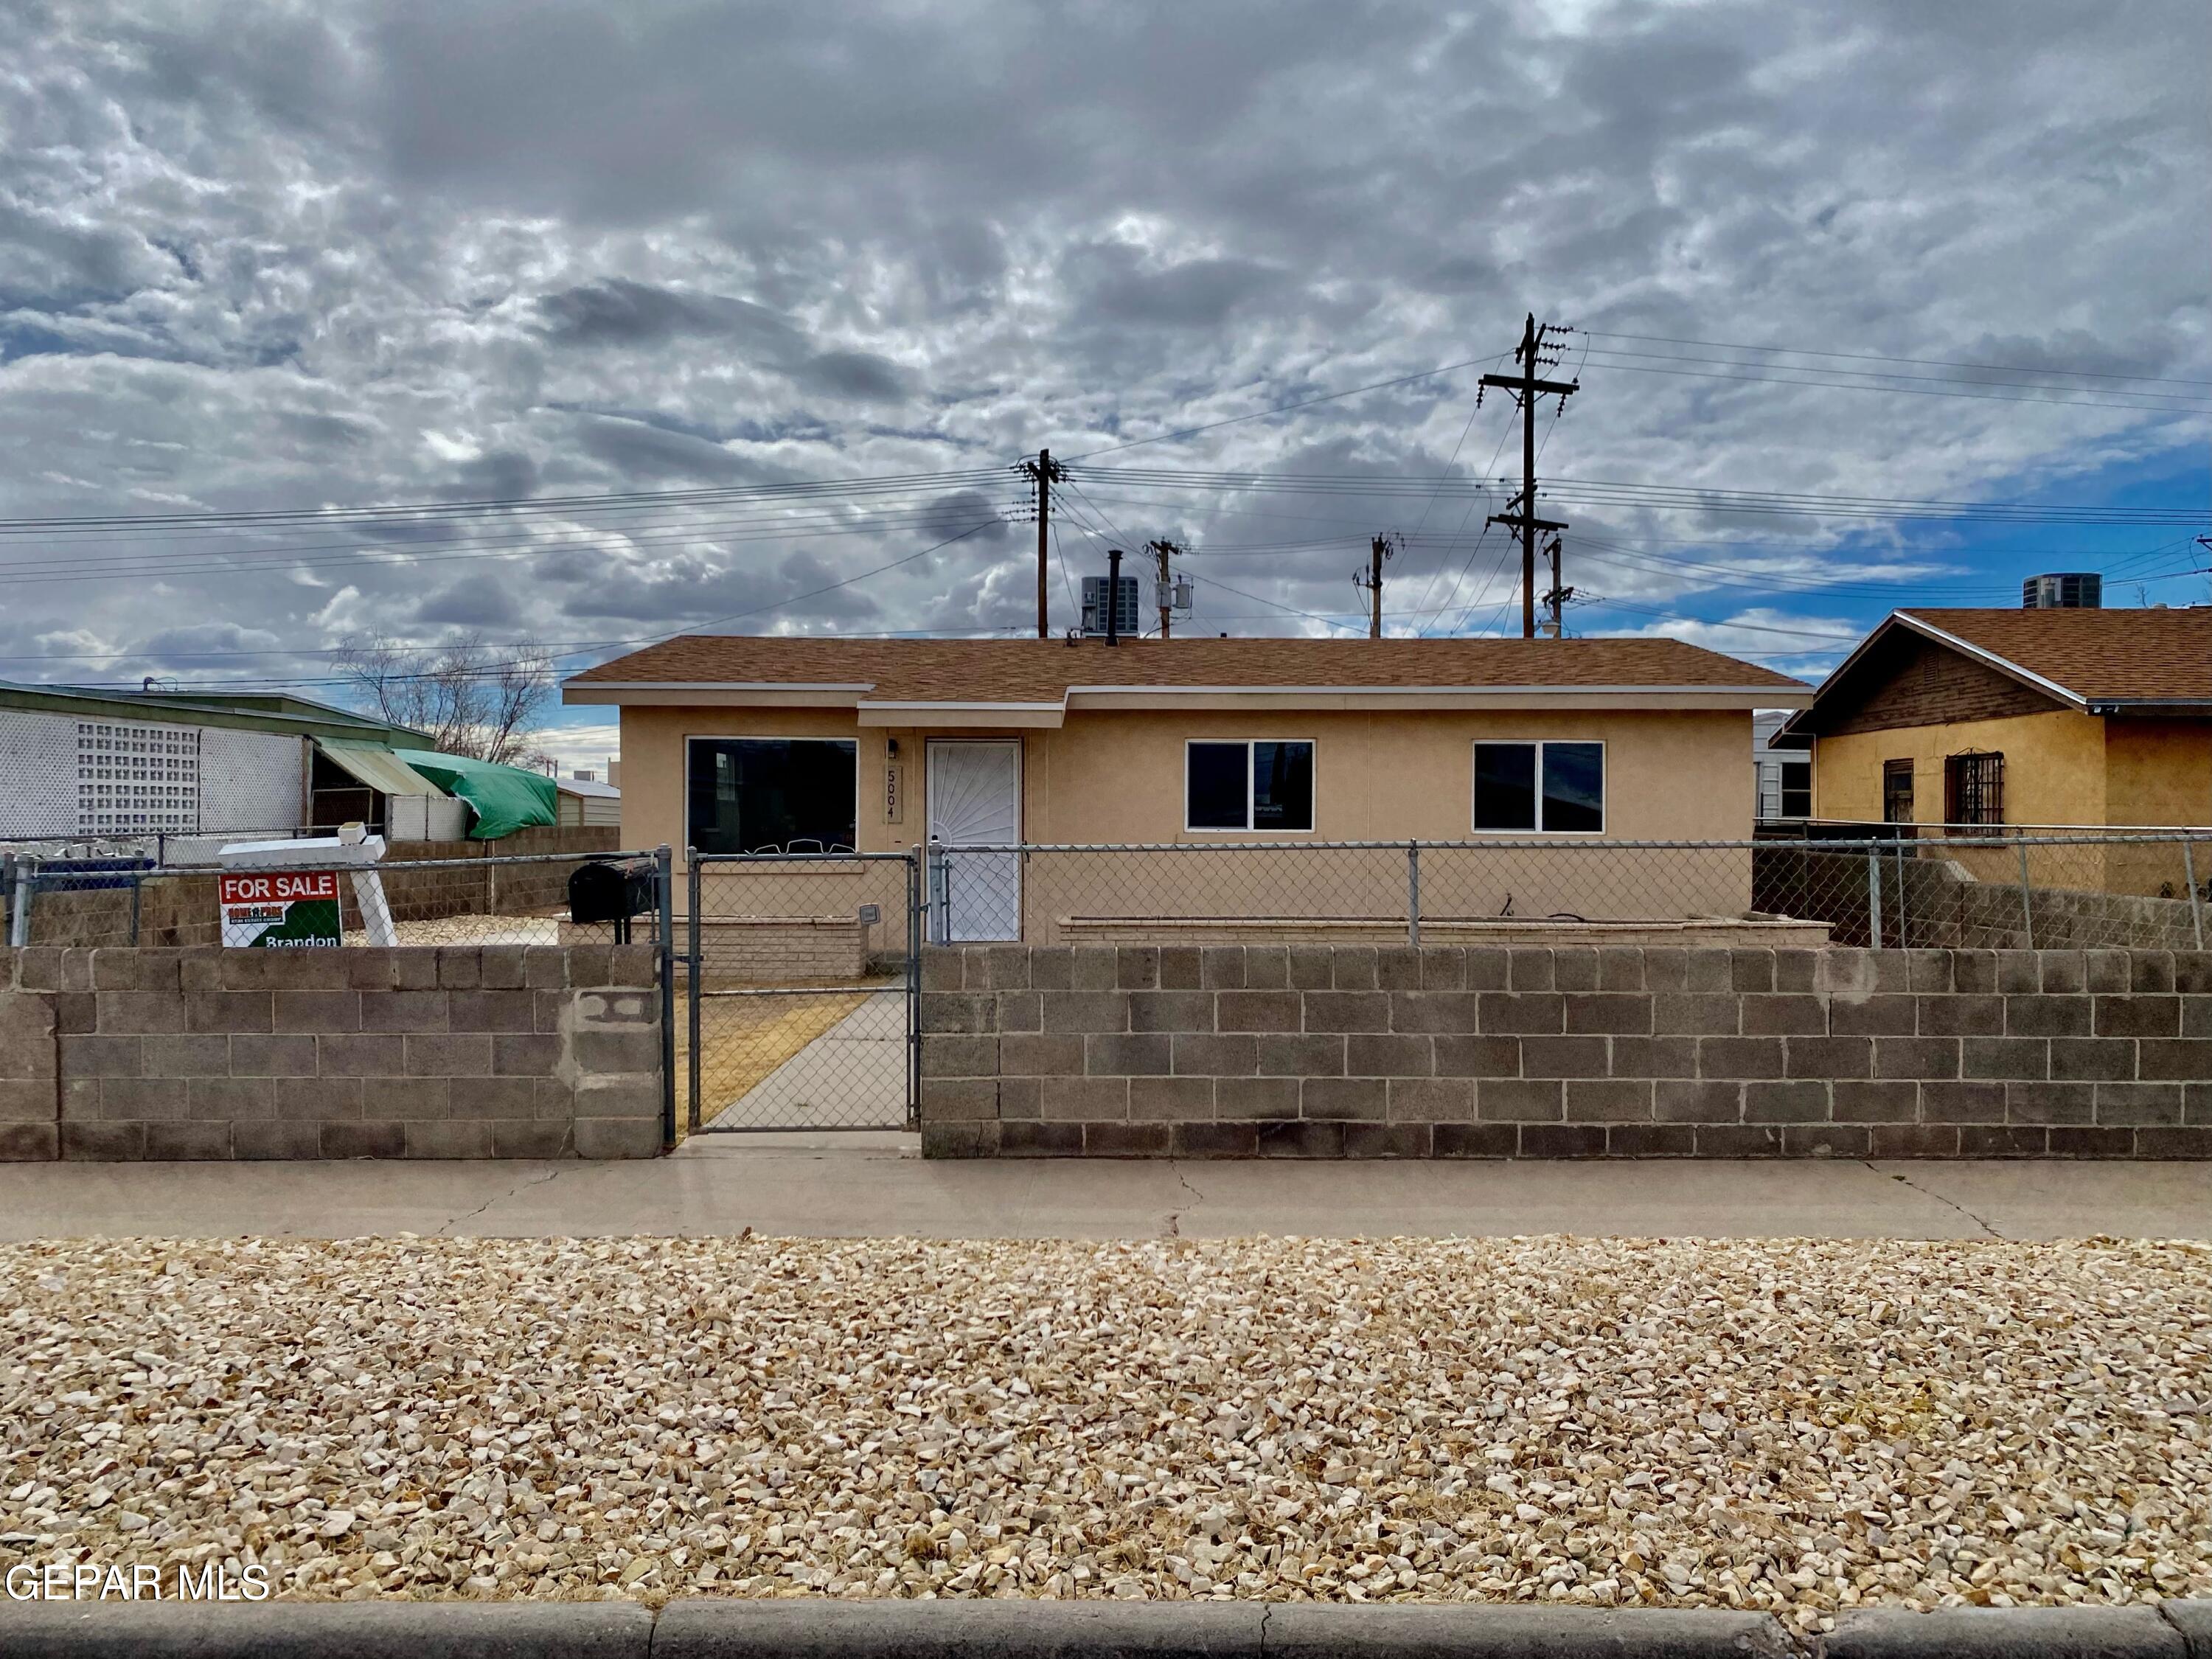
264 256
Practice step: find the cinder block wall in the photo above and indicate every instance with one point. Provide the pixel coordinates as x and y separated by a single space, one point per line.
1350 1052
477 1051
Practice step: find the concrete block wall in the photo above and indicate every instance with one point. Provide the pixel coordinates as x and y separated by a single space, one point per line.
479 1051
1327 1052
786 950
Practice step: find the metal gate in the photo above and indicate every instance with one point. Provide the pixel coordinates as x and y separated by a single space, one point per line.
802 973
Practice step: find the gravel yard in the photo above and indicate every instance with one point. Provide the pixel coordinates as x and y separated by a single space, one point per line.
1796 1426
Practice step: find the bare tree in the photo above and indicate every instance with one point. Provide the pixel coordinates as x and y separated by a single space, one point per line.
469 699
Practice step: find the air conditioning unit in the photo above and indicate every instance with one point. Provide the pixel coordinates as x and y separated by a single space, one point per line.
2072 590
1128 602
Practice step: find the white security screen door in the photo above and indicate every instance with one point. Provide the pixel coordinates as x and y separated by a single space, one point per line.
976 798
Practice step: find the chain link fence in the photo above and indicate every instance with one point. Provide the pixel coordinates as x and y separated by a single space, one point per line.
800 972
2142 891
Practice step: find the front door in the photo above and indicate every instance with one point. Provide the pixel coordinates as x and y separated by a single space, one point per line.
975 800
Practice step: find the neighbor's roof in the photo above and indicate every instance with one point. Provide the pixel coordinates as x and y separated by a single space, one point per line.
2149 661
212 706
588 786
1038 675
2150 655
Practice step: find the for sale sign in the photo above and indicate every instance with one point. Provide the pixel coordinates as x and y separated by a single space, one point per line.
278 908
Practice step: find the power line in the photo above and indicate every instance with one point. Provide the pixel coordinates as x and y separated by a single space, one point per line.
2193 399
1682 497
1922 392
554 651
1877 357
262 564
612 500
1285 409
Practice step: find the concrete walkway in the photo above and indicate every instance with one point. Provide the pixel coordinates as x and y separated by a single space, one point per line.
872 1184
853 1074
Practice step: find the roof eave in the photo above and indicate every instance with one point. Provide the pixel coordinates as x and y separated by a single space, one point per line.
2183 707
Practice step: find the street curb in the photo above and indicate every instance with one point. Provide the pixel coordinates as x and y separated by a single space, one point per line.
2193 1618
822 1628
2007 1633
1217 1629
326 1630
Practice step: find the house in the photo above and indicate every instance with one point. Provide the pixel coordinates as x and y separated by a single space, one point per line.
737 745
1785 777
2042 717
584 801
2039 719
174 772
85 765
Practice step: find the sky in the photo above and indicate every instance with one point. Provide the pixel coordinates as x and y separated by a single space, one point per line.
263 257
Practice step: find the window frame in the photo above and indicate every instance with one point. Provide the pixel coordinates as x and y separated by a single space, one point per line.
1786 789
690 738
1990 760
1313 768
1892 770
1604 787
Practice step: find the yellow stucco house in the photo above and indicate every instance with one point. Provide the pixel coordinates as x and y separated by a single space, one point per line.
738 744
2053 718
2049 717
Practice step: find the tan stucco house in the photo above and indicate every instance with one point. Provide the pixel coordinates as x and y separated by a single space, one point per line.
735 744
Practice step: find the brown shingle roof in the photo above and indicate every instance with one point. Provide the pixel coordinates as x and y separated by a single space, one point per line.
1042 671
2098 655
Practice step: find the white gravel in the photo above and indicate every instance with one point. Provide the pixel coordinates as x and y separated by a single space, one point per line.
1797 1426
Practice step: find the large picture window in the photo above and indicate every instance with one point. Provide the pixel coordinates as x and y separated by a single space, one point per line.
1547 788
773 794
1263 784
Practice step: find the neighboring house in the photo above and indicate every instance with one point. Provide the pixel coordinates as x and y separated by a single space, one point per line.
2041 717
586 801
173 772
93 765
738 744
1785 777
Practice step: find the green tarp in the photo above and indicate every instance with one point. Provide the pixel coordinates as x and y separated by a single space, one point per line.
505 799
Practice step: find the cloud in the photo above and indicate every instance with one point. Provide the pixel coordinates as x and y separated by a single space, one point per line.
632 315
473 603
274 257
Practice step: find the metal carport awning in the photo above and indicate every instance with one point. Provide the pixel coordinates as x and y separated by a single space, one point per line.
380 769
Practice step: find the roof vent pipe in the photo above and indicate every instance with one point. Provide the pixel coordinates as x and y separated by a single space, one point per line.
1113 596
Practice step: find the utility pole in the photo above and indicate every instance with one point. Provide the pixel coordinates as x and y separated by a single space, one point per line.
1556 599
1525 388
1378 549
1043 473
1165 592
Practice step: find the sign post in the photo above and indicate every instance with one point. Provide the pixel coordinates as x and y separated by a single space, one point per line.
274 909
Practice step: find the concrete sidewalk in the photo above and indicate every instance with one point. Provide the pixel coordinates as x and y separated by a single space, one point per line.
873 1184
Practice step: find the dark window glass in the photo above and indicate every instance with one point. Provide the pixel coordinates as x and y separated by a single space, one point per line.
1282 786
1505 785
1216 785
1574 786
1796 789
772 794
